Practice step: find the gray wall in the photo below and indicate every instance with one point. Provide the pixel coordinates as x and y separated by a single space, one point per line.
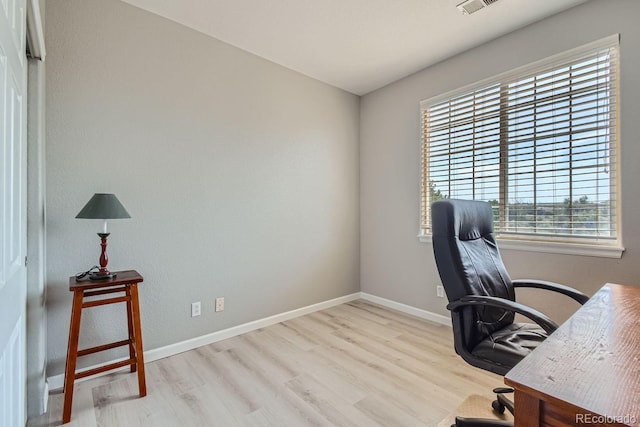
241 176
394 264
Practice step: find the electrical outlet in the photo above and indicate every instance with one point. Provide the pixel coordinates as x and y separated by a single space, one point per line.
195 309
440 291
220 304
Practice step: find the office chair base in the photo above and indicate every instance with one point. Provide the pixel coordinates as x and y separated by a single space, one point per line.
501 403
480 422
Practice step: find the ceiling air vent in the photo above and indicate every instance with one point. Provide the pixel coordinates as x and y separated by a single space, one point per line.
471 6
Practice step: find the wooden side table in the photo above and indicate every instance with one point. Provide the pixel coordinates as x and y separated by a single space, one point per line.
125 282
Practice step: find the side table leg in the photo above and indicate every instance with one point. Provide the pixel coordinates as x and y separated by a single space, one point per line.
72 355
137 330
130 328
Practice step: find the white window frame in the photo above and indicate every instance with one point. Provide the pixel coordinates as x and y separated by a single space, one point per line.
611 248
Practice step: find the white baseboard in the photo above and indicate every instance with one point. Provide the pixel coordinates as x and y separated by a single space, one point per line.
57 381
418 312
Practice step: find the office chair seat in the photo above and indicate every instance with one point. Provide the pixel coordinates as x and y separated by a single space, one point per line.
509 345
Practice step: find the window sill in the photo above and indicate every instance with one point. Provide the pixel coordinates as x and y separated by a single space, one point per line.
552 247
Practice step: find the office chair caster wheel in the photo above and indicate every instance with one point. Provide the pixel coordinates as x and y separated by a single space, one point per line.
498 407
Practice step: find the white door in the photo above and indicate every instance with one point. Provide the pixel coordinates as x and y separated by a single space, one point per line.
13 77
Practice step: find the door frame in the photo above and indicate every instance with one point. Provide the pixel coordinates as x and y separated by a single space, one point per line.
37 390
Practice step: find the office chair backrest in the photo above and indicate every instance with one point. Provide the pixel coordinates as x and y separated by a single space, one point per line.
469 263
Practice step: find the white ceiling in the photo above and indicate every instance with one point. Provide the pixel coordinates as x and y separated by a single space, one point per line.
356 45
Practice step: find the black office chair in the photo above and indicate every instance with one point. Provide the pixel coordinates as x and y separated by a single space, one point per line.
481 295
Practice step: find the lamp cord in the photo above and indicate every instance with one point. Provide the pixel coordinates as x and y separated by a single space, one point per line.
81 276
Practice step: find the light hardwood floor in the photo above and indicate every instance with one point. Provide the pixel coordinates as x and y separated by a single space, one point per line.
356 364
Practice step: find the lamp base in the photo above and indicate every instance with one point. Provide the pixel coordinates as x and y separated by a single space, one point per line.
102 276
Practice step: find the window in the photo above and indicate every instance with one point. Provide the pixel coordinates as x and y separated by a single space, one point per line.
538 143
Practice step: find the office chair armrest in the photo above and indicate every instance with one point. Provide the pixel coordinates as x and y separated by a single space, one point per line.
551 286
531 313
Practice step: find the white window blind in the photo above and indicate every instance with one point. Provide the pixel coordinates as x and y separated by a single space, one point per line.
539 143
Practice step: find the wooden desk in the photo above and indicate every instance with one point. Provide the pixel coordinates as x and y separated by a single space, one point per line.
588 371
125 282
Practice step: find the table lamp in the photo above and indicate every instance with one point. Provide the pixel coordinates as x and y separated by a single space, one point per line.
103 206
